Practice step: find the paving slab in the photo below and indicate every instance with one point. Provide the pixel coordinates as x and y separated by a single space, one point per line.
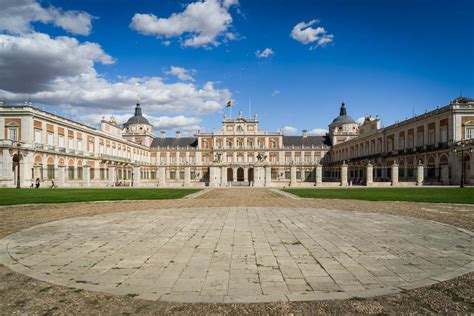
241 254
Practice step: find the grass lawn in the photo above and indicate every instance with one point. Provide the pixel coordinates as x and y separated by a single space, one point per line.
26 196
434 195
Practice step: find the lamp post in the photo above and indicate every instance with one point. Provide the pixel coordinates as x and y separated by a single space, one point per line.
462 145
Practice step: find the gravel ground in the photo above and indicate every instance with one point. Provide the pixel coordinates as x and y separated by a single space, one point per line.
20 294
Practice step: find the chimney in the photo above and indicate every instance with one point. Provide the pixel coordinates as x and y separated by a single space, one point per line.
178 134
305 133
162 134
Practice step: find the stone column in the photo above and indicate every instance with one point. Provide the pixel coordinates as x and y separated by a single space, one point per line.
112 175
224 176
419 174
234 174
344 169
136 175
319 175
257 176
187 176
86 176
445 174
61 178
161 175
214 176
369 171
292 175
268 176
394 175
246 174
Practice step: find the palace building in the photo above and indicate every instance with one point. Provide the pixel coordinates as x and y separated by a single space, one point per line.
430 149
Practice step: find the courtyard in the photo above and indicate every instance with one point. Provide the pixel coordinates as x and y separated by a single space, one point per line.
237 251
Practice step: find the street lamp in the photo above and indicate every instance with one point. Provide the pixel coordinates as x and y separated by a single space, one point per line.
462 145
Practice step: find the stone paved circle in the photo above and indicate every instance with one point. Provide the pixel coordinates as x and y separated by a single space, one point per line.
240 254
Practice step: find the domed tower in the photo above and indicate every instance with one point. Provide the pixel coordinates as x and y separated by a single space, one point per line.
137 129
343 127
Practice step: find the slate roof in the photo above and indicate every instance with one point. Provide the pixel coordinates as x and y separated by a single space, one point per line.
137 118
174 142
307 141
343 118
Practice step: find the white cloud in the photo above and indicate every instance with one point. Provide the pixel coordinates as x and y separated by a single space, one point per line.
360 120
60 71
304 33
201 24
32 62
16 17
181 73
267 52
318 132
180 122
289 130
275 92
186 124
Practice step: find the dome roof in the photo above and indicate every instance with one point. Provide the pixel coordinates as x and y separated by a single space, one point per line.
138 118
343 118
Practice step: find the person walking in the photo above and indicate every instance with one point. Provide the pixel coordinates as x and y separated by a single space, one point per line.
37 183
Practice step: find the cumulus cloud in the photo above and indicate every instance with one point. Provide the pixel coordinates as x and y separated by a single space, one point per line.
16 17
33 62
267 52
315 36
275 92
182 73
61 72
318 132
180 122
201 24
186 124
289 130
360 120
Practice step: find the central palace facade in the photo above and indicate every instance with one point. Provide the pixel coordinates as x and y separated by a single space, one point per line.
431 148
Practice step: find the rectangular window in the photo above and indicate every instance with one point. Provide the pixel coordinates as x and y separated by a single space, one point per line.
92 173
431 137
444 134
37 136
50 138
13 133
401 143
79 144
61 141
102 173
419 139
469 132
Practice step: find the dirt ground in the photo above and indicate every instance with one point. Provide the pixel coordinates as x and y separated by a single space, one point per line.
20 294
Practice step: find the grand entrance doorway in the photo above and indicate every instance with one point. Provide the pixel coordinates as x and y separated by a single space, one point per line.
230 175
240 174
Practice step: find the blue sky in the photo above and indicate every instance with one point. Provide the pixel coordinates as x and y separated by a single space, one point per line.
386 58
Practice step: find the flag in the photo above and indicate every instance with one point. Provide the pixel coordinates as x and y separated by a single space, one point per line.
229 104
